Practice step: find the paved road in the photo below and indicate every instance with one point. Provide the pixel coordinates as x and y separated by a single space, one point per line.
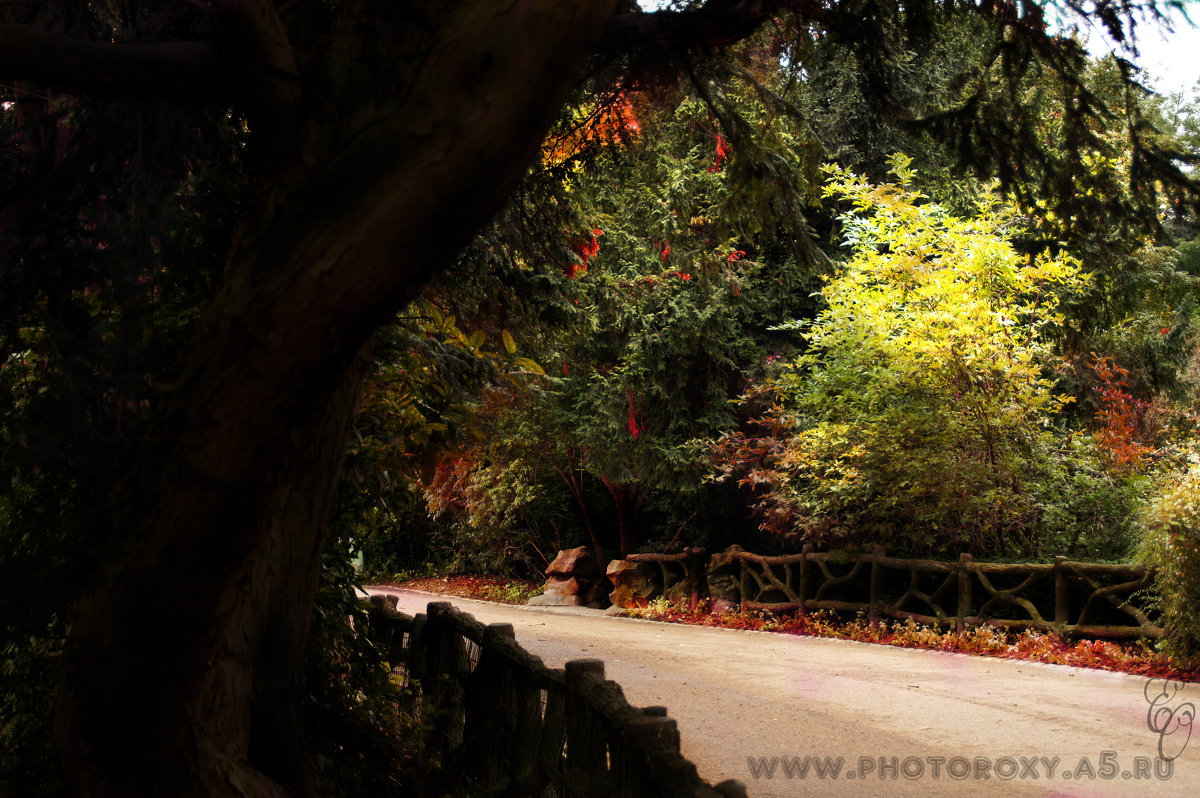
901 722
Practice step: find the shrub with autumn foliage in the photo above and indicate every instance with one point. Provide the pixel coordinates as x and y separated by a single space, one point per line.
924 413
1124 422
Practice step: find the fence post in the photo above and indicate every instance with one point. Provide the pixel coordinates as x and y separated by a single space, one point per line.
529 730
437 688
805 574
696 574
491 714
587 750
742 586
876 594
643 738
1062 607
964 592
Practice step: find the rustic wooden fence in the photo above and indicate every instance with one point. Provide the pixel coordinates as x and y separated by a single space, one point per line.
496 717
1074 598
680 574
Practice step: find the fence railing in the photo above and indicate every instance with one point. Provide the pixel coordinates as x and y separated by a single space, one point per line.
1074 598
496 716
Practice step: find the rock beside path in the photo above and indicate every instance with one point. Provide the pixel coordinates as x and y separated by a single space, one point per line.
574 580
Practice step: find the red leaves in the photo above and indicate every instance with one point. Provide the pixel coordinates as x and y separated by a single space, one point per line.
722 154
634 428
1032 646
586 248
666 250
1122 417
651 280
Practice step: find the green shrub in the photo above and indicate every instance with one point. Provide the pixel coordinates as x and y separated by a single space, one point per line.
28 680
1172 546
512 592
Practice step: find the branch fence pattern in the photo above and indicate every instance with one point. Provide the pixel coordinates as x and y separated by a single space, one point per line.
1073 598
495 715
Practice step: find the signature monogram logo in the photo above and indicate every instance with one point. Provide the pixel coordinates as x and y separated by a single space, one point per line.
1166 717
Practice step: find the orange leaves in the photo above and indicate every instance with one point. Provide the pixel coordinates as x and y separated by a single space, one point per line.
1136 657
611 124
1122 417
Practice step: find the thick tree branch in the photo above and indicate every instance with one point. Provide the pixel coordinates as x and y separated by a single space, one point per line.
179 70
716 23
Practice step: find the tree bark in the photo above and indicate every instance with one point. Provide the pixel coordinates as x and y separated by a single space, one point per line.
181 671
628 505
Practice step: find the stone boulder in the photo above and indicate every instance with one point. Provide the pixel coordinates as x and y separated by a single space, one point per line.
573 580
577 562
633 584
560 592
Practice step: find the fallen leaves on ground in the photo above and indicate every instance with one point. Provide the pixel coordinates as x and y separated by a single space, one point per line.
1137 657
485 588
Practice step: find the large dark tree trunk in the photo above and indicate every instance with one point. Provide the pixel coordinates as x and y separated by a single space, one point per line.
183 673
183 662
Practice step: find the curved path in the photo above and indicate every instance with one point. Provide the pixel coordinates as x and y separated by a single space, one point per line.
781 712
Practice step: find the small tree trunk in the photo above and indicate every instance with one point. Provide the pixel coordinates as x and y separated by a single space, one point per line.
575 486
628 504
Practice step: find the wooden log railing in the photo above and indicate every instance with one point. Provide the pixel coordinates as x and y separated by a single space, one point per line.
681 573
496 717
1074 598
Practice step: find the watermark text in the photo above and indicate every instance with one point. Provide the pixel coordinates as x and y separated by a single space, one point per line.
1107 766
